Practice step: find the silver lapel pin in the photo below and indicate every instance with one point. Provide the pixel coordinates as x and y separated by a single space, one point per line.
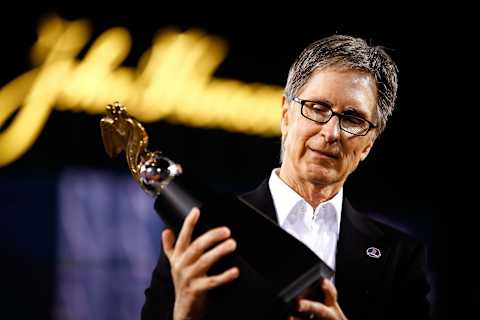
373 252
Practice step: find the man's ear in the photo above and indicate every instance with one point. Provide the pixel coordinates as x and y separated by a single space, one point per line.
285 115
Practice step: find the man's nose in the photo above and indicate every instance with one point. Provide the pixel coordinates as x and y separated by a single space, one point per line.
331 129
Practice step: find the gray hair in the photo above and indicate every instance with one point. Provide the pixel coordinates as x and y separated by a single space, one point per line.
348 53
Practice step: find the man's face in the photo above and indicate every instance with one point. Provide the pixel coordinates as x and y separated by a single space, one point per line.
323 154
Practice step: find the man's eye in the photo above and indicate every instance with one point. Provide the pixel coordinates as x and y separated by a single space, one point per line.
354 121
320 108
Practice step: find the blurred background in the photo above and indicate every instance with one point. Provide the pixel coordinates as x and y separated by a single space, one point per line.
79 238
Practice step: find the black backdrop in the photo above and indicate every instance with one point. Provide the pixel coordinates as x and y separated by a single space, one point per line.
400 179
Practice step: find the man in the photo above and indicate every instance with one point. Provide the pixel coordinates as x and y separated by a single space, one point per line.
338 97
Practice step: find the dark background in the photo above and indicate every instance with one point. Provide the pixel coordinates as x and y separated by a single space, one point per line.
399 183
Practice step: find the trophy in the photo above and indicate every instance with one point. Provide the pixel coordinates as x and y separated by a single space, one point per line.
275 268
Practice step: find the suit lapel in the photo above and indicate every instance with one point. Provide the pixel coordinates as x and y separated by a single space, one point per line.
261 198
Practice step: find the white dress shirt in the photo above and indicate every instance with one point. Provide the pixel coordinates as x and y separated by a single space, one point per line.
317 228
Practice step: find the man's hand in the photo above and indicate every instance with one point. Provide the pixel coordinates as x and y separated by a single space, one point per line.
190 262
316 310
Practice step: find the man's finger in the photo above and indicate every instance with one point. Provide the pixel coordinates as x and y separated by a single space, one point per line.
207 283
168 242
209 258
185 235
203 243
330 292
318 309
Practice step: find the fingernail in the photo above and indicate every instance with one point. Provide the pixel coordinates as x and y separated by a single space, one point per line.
232 244
165 232
300 306
236 272
195 214
226 231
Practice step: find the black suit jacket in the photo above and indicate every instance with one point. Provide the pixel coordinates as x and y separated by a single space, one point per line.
392 286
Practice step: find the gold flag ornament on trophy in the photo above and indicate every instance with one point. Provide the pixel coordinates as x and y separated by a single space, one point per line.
269 281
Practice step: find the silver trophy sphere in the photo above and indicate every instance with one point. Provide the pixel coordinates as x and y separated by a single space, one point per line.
156 172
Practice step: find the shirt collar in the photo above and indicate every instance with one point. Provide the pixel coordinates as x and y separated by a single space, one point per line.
285 199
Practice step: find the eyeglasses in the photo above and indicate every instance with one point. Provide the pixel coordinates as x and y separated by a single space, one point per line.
322 113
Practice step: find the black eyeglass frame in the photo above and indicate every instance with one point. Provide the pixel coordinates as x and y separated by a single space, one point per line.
333 113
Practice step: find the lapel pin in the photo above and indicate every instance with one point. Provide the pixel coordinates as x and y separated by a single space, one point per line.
373 252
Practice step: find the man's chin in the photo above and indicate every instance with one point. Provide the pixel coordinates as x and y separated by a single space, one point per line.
322 177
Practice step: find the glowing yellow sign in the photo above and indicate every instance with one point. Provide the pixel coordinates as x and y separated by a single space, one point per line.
174 81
